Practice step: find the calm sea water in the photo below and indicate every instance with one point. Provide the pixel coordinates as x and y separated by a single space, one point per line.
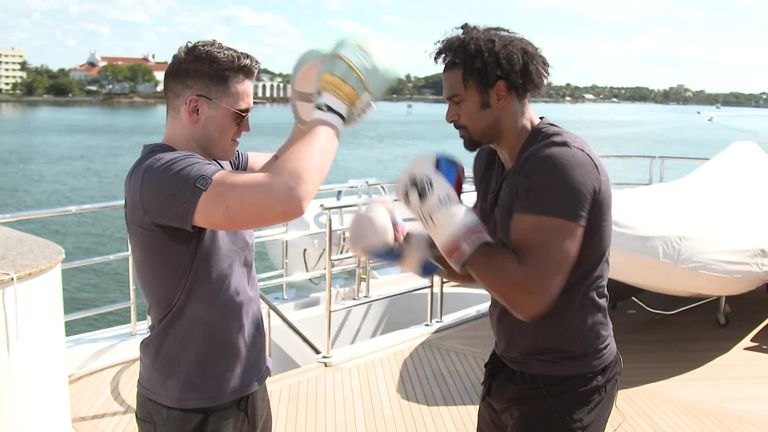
56 156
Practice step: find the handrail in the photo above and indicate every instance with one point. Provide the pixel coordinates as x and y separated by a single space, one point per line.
651 159
329 264
60 211
96 311
95 260
361 190
272 307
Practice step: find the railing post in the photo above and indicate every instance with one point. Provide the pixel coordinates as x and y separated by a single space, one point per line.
661 171
328 281
367 275
358 276
285 264
430 301
132 289
440 298
269 332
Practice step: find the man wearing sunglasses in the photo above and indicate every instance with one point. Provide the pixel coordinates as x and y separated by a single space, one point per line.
191 202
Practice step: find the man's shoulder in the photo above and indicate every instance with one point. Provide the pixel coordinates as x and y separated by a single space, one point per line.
160 153
159 157
557 135
554 141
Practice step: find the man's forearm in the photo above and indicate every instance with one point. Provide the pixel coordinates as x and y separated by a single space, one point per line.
452 275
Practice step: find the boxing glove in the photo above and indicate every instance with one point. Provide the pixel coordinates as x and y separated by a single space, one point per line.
377 232
339 86
430 188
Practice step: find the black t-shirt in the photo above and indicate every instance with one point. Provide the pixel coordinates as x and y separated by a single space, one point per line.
555 174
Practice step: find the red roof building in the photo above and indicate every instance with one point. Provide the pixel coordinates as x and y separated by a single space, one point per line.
92 67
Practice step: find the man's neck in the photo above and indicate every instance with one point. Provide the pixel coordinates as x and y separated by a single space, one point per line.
515 132
178 138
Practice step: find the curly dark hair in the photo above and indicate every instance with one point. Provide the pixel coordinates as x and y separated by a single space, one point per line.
489 54
206 66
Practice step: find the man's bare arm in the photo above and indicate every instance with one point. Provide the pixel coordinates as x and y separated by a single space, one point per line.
279 192
257 160
529 277
452 275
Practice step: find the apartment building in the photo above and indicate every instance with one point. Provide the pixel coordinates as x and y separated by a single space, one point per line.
10 68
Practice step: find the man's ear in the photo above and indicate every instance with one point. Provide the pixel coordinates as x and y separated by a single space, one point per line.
192 109
500 95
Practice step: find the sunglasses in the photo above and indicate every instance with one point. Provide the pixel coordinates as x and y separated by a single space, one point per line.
242 114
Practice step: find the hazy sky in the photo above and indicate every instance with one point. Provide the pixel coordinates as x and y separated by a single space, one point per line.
717 46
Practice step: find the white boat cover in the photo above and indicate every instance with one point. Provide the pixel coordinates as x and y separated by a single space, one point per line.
705 234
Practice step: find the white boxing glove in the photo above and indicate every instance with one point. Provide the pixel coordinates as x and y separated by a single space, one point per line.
377 232
337 87
431 187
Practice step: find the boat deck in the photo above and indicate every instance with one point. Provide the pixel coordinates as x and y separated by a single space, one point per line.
681 373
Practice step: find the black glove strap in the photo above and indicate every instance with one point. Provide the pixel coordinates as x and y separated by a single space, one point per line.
328 108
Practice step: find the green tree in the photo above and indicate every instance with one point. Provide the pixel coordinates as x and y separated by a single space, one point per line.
282 77
400 87
432 84
63 86
140 74
112 74
34 85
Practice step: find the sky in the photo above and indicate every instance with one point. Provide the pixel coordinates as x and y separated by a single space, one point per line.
716 46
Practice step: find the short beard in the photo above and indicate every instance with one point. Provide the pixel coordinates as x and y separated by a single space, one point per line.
471 144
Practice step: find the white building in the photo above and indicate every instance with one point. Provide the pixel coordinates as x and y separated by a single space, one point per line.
268 86
10 68
92 67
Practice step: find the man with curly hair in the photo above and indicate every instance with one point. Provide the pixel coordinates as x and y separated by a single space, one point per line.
537 239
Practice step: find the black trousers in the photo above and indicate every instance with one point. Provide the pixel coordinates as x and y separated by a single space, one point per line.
517 401
250 413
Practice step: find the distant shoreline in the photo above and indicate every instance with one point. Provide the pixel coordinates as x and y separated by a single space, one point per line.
103 100
83 99
135 99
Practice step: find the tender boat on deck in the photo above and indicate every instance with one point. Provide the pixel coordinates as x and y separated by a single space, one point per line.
702 235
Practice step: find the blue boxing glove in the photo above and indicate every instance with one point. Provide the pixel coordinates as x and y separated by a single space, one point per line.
377 232
431 187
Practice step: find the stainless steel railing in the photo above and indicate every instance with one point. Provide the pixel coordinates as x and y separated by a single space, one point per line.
358 189
81 209
662 163
329 265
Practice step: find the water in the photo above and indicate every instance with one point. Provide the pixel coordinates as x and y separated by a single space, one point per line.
55 155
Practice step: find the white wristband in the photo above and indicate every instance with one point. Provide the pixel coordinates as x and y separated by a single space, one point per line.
329 117
458 250
336 112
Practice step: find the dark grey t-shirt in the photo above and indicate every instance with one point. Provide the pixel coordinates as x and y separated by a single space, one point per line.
206 344
555 174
